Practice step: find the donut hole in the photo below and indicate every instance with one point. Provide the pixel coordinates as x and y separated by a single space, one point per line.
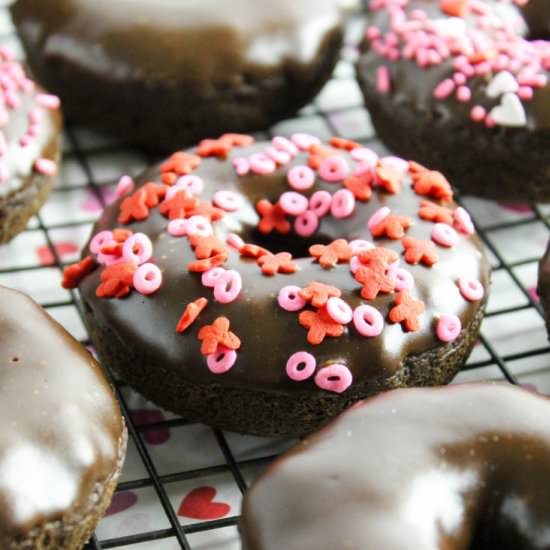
297 246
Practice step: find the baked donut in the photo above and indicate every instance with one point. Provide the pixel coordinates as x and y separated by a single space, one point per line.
62 440
543 287
264 287
440 468
458 85
167 75
30 127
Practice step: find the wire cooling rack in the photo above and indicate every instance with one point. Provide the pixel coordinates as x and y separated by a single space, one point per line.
182 482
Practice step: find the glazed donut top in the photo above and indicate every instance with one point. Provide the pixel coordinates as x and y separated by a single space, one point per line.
29 127
198 43
442 468
466 60
421 278
61 426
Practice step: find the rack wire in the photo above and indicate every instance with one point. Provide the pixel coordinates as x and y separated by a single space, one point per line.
173 464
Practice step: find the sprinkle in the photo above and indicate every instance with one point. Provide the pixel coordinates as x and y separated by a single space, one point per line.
137 248
306 224
319 325
501 83
277 263
304 141
339 311
191 183
444 235
273 217
45 166
430 183
177 227
345 144
260 163
318 293
228 287
360 186
116 280
320 202
283 144
300 366
435 213
391 226
293 203
448 327
334 378
402 278
234 241
478 113
383 79
124 187
406 311
419 251
190 314
241 165
471 289
463 94
463 221
73 274
253 250
444 89
200 266
48 101
510 112
218 334
301 177
378 216
134 208
455 8
368 321
389 178
360 245
337 251
147 279
373 274
198 226
209 278
100 239
280 157
343 204
333 169
289 298
206 247
221 361
317 154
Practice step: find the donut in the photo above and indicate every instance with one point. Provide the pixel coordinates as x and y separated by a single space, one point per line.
62 438
263 287
452 467
30 128
459 85
164 76
543 287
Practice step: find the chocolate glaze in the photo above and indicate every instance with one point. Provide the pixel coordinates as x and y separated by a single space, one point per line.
61 427
463 467
543 287
269 334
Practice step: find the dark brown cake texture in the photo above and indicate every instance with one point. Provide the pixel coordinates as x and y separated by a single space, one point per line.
30 131
62 438
308 250
458 86
166 75
430 469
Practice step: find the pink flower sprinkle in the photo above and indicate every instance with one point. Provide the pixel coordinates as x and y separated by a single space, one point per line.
177 227
221 361
335 378
368 321
227 200
289 298
301 177
100 240
320 202
333 169
378 216
300 366
448 327
339 311
343 204
471 289
304 141
383 79
210 277
137 248
147 279
293 203
444 235
48 101
306 224
124 187
228 287
234 241
45 166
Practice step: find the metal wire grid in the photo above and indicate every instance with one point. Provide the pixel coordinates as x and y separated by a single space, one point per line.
323 117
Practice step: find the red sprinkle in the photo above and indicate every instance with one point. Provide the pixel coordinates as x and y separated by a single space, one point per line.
179 206
417 250
73 274
190 314
153 193
346 144
200 266
273 217
253 250
455 8
407 311
320 325
206 247
318 293
389 178
116 280
317 154
134 207
430 183
337 251
360 186
216 335
277 263
222 146
435 213
392 226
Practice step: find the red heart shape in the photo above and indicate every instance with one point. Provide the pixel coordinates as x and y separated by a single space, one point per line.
63 249
121 501
149 416
199 504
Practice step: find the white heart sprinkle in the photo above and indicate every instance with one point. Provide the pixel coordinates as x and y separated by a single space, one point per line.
502 83
510 112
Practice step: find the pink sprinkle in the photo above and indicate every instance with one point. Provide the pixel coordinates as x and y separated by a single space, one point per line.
147 279
190 183
48 101
234 241
383 79
241 165
177 227
402 278
227 200
11 99
289 298
471 289
396 163
335 378
280 157
364 155
464 94
124 187
463 221
293 203
490 122
525 93
478 113
339 311
283 144
25 140
448 327
45 166
100 240
373 32
368 321
198 225
333 169
459 78
444 89
300 366
108 259
444 235
221 361
320 202
228 287
378 216
301 177
304 141
306 224
210 277
137 248
343 204
359 245
3 145
34 130
260 163
35 116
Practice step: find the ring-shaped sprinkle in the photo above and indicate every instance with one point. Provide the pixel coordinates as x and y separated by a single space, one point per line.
124 186
339 311
100 240
300 366
335 378
191 183
378 216
109 259
137 248
172 192
210 277
364 155
289 298
260 163
306 224
402 278
444 235
234 241
368 321
280 157
177 227
333 169
360 245
343 204
227 200
199 225
228 287
221 360
354 264
471 289
147 279
241 165
396 163
448 327
463 221
283 144
301 177
304 141
293 203
319 203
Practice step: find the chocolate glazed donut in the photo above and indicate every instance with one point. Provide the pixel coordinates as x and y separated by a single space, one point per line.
165 75
461 86
456 468
62 438
278 346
